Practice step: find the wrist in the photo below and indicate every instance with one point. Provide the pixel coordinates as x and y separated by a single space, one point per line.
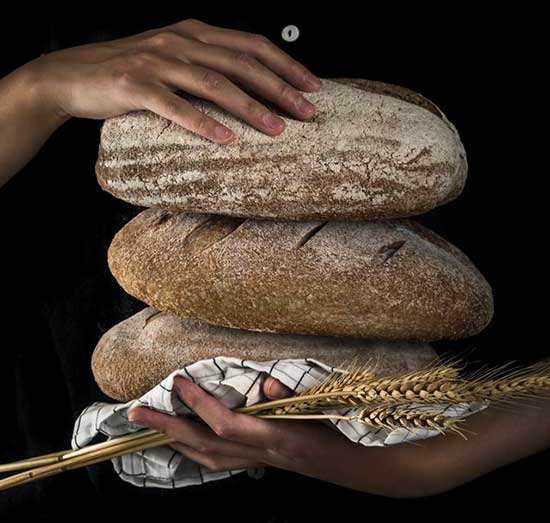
34 81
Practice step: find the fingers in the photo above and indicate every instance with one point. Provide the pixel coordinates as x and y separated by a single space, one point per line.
211 85
247 70
208 62
215 462
193 434
274 389
233 426
255 45
236 65
172 107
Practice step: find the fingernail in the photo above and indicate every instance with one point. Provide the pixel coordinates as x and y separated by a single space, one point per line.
312 81
272 121
305 107
223 133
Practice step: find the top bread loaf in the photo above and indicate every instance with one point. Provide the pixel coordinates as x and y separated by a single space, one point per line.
372 151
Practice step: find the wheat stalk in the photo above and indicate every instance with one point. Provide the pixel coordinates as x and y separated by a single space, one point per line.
386 403
315 398
389 418
124 445
426 386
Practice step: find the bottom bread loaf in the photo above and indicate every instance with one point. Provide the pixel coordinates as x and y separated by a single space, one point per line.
135 355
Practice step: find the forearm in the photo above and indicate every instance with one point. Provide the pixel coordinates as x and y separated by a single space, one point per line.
26 120
440 463
501 436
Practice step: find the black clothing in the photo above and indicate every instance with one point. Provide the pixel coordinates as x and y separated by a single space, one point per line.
59 298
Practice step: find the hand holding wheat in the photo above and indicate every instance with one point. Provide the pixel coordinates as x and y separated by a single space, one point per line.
230 439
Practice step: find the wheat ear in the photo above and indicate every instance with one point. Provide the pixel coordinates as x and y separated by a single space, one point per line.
437 384
388 418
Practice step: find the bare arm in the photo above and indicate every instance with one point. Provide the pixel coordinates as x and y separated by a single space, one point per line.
143 72
443 462
26 121
231 440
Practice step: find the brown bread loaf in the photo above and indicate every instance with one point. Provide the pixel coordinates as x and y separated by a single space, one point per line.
393 280
372 151
138 353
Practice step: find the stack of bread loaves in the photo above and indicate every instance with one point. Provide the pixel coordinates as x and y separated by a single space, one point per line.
288 247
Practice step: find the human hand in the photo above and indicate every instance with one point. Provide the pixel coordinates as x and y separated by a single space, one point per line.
110 78
231 440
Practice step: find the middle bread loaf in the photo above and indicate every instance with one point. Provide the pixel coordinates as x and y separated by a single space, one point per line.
393 280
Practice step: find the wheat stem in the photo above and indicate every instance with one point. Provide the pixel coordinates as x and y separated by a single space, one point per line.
56 457
140 435
412 388
89 458
384 401
37 461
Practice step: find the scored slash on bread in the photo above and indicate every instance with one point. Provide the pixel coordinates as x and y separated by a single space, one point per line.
385 279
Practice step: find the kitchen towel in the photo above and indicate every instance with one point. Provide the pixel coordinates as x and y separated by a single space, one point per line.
236 383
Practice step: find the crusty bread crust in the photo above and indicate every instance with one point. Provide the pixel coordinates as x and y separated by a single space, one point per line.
373 151
392 280
138 353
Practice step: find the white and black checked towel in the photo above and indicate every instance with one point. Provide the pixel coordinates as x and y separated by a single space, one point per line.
236 383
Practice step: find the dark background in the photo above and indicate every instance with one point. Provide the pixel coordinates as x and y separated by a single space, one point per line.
483 71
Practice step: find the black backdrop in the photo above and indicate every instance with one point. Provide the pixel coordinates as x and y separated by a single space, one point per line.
483 71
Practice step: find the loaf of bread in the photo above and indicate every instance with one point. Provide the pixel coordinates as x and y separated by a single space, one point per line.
373 150
392 280
138 353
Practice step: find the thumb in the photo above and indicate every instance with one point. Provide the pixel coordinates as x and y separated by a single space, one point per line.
274 389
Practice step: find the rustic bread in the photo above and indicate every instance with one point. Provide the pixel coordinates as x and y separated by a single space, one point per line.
373 150
393 280
135 355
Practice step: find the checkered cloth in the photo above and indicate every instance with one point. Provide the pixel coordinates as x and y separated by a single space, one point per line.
236 383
